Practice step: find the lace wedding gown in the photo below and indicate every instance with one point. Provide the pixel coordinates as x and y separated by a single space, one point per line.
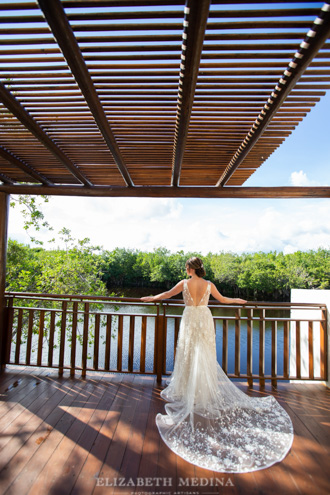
209 421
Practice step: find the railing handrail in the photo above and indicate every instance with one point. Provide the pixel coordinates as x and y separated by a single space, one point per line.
168 302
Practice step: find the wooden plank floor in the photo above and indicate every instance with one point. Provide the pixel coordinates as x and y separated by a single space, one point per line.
82 436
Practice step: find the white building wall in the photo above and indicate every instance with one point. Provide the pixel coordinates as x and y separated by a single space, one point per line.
308 296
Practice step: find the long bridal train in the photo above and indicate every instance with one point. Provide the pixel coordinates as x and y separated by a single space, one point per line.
209 421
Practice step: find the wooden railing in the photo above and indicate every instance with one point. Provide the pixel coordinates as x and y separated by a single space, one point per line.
124 335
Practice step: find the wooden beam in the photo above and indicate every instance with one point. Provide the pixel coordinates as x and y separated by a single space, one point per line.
25 118
4 213
196 15
171 192
17 162
60 26
5 179
313 42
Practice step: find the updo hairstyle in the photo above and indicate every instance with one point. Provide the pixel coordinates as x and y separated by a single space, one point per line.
197 265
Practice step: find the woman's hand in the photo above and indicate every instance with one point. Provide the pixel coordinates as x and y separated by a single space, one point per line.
147 299
240 301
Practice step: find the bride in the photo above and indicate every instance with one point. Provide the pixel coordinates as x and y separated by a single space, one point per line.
210 422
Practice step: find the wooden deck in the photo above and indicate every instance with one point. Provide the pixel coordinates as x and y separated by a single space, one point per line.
79 436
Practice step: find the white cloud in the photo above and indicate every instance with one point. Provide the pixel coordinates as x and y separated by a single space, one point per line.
191 225
300 179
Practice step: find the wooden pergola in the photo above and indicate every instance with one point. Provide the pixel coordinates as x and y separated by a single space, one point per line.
153 97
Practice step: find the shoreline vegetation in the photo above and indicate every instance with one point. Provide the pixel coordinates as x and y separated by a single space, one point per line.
84 269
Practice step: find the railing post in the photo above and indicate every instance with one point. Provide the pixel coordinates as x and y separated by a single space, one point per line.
274 353
324 345
62 341
4 212
237 341
249 346
159 344
85 340
225 346
74 338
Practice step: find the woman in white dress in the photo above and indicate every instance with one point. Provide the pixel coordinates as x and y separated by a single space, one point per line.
209 421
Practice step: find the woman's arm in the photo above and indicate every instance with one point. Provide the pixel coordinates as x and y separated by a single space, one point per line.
165 295
225 300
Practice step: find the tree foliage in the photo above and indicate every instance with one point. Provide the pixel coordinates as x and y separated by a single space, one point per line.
84 269
76 270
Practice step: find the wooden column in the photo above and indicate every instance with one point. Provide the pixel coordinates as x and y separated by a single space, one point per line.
4 212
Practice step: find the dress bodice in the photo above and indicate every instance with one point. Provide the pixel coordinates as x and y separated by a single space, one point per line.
188 300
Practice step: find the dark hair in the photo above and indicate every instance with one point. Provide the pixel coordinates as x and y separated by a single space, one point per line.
197 265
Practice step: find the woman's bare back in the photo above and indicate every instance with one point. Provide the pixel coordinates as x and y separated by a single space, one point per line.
197 288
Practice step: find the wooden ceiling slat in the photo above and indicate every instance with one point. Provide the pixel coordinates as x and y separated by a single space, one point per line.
156 38
270 49
167 56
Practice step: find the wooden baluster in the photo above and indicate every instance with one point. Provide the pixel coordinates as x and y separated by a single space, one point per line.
310 351
323 346
286 325
159 340
143 344
274 353
155 343
40 336
298 355
74 338
131 343
237 341
96 341
164 344
85 340
51 338
249 346
108 343
62 338
225 346
18 335
29 337
262 348
176 333
120 343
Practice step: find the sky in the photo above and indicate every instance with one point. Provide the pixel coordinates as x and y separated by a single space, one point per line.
211 225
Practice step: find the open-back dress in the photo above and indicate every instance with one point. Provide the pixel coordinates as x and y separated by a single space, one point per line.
210 422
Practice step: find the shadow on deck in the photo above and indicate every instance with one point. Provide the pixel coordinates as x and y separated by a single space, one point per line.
83 436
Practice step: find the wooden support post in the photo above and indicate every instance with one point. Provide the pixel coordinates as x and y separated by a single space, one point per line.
4 211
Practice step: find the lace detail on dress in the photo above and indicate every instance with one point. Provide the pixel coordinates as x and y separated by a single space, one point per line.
209 421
